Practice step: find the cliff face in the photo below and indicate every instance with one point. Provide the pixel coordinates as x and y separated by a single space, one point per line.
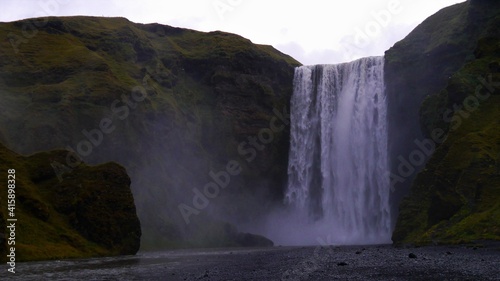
443 84
420 66
174 106
90 213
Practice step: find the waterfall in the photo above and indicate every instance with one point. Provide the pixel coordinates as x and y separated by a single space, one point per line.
338 163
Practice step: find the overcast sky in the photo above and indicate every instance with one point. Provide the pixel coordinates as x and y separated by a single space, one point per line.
313 32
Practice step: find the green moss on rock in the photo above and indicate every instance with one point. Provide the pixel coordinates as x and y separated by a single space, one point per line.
207 93
456 197
90 213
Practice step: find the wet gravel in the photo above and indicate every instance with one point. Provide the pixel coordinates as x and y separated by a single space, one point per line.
280 263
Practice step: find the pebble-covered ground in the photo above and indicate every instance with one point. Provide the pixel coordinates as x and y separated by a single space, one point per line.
281 263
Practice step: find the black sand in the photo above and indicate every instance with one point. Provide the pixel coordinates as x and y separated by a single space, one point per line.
281 263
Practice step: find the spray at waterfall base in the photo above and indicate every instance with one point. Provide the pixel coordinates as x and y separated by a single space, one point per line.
338 184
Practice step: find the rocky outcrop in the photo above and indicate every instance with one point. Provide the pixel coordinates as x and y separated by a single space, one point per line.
174 106
442 87
90 213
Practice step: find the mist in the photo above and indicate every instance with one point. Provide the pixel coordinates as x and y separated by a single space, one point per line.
338 187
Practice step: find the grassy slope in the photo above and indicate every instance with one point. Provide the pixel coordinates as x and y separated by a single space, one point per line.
456 198
52 220
207 92
418 66
80 65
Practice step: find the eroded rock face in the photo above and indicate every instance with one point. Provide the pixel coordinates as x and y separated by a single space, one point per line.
208 96
90 212
101 210
416 67
448 65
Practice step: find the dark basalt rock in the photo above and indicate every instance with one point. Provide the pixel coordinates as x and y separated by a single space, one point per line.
89 213
445 63
252 240
207 93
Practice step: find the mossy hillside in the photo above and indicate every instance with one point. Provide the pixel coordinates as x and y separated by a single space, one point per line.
418 67
435 108
207 93
456 198
91 213
418 70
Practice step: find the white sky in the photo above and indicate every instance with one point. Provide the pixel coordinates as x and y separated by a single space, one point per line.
313 32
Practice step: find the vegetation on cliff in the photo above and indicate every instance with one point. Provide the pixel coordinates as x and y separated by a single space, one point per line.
209 99
208 96
90 213
456 197
419 67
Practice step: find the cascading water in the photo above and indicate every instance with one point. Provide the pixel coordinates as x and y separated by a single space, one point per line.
338 163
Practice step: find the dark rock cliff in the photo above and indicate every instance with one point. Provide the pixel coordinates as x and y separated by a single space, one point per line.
437 78
174 106
90 213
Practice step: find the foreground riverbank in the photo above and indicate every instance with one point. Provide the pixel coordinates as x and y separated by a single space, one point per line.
280 263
